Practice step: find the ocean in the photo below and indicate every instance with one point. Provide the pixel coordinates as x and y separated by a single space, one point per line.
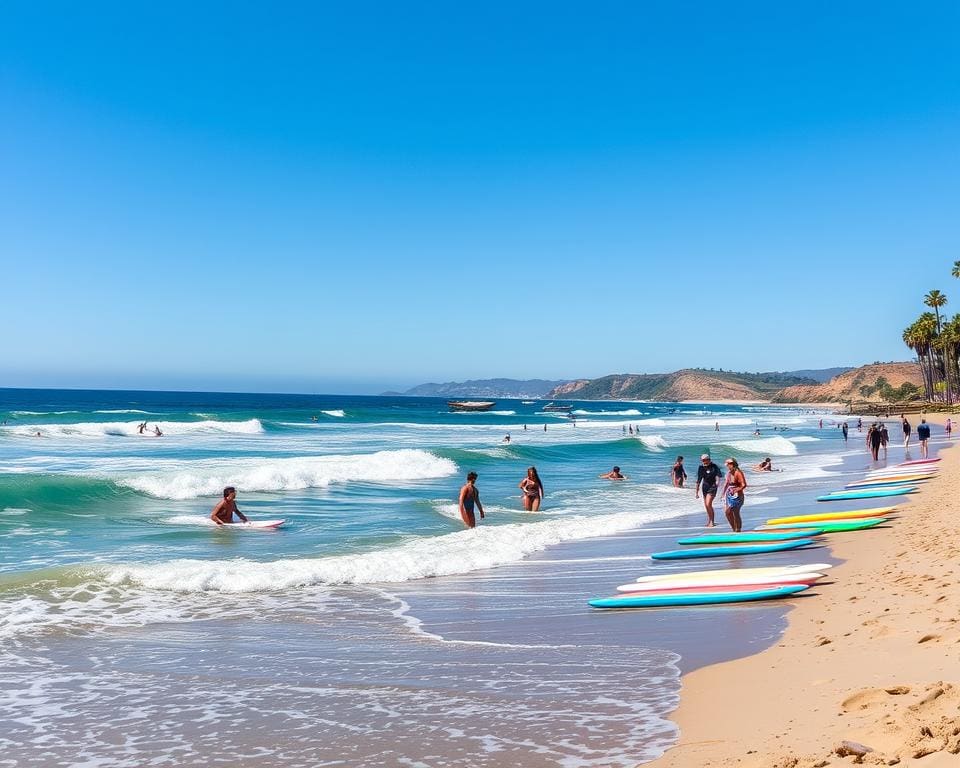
373 628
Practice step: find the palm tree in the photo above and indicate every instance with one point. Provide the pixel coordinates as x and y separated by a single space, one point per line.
935 300
919 336
956 269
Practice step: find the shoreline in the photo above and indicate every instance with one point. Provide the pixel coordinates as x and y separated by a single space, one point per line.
871 658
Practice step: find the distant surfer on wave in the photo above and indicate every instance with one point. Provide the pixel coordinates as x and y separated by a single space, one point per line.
223 512
470 497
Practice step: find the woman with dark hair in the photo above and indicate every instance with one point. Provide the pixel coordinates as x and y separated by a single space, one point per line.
532 490
733 494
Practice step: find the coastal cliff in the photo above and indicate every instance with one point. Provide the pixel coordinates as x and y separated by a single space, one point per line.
868 383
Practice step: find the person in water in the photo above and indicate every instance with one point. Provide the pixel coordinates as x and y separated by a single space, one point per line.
733 487
223 512
923 435
532 490
905 426
678 472
470 498
156 430
613 474
766 466
708 478
142 427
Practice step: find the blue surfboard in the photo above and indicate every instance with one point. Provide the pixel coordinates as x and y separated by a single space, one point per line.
732 549
867 484
695 598
743 538
847 495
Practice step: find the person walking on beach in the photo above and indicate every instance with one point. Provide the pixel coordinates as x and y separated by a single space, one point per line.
708 478
923 435
223 512
873 441
948 428
859 424
470 497
905 425
613 474
845 429
884 439
678 472
532 490
733 487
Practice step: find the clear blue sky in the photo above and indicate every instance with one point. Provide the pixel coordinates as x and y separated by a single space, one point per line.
305 197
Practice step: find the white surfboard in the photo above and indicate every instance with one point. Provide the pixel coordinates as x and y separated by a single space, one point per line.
261 525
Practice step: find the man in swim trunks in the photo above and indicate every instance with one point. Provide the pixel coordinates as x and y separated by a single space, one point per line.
708 477
923 435
223 512
470 497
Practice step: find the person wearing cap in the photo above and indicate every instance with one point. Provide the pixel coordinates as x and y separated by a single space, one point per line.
613 474
708 478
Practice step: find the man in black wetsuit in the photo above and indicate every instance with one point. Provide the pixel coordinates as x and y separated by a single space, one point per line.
708 478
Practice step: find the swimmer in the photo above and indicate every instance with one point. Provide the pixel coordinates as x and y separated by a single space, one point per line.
532 489
613 474
766 466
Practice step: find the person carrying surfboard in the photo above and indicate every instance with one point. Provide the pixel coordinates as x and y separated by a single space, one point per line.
223 512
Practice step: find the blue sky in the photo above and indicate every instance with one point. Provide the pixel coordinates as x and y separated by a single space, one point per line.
306 197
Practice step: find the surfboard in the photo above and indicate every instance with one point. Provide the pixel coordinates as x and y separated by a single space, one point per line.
732 549
869 494
722 582
917 461
891 483
697 598
739 538
753 572
847 515
828 526
253 525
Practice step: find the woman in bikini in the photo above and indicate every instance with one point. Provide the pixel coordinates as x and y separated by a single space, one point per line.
532 490
733 494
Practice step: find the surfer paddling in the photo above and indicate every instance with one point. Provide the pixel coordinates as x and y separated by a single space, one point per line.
223 512
470 497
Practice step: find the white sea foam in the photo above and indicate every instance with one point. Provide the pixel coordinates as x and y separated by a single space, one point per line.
124 410
804 439
483 413
191 480
41 413
628 412
653 442
130 429
771 446
461 552
336 413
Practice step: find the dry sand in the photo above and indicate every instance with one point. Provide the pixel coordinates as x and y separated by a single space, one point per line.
871 659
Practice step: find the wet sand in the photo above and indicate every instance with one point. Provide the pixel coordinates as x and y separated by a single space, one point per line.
868 670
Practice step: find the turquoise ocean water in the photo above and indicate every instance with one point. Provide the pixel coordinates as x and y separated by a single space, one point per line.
132 628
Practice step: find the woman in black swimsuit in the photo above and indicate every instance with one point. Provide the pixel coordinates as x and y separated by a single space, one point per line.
679 473
532 490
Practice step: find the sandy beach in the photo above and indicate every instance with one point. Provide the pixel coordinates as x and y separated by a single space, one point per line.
867 671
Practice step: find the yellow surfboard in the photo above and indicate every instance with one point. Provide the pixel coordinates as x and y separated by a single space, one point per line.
874 512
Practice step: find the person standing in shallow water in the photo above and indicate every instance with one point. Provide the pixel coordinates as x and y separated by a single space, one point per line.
679 473
733 494
223 512
470 498
708 478
532 490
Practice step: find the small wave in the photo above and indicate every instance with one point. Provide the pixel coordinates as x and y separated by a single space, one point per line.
628 412
336 413
130 428
804 439
453 553
125 410
483 413
41 413
771 446
653 442
209 478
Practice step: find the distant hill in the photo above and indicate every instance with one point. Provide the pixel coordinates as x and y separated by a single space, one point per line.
688 384
533 389
878 382
819 374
